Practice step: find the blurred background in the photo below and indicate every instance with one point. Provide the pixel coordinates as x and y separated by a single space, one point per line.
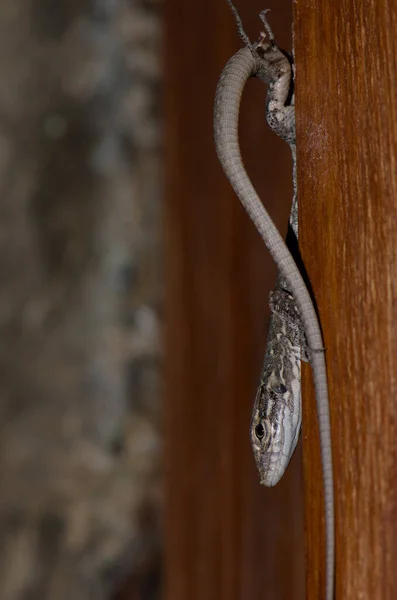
133 310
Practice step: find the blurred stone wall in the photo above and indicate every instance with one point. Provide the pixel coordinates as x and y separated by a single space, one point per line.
80 297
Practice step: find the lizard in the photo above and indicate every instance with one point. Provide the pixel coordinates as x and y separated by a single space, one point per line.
294 332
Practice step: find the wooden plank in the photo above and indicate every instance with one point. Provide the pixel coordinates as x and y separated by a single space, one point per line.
347 147
226 536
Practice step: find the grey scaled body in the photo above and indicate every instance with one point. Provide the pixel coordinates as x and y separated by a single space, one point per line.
295 333
276 416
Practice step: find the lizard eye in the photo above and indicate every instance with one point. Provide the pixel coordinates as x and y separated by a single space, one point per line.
279 388
259 431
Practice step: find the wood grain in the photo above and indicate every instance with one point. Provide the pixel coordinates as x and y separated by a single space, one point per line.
347 147
226 536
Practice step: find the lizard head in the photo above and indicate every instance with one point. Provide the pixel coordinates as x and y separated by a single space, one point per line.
274 431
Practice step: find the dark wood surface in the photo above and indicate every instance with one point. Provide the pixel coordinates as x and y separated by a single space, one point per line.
347 146
226 536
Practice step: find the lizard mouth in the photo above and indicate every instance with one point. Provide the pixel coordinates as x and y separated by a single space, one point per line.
273 477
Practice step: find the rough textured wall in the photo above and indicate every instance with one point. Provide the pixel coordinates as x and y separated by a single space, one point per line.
79 296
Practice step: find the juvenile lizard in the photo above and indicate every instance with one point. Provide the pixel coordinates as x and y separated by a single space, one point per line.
294 332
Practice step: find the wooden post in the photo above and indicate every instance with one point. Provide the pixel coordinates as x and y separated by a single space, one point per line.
347 149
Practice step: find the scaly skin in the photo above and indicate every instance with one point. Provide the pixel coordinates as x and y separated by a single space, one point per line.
274 445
